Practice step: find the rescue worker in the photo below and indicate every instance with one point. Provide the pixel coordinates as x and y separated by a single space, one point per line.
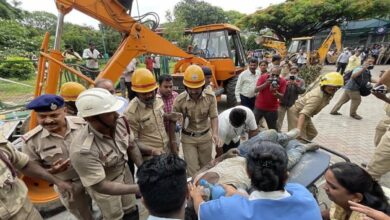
312 103
379 164
69 92
208 75
14 203
48 144
198 107
145 115
100 151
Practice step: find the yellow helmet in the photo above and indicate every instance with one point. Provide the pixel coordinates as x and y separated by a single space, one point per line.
71 90
193 77
143 81
332 79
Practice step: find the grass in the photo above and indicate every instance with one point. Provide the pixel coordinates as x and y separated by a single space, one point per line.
12 92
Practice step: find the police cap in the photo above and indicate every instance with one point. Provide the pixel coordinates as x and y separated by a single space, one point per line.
46 103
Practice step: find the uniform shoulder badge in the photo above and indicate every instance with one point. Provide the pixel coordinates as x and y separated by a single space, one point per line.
77 120
32 133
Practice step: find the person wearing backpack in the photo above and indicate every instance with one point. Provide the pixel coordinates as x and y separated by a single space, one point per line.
355 88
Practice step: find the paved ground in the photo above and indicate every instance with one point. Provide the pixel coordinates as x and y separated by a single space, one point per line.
353 138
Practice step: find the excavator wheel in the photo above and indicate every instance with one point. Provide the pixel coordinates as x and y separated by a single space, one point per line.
230 88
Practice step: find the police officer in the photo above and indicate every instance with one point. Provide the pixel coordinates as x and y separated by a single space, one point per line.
49 144
14 203
100 151
198 106
380 161
312 103
145 115
69 92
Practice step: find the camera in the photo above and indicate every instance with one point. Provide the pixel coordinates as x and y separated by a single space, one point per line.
380 89
370 67
274 81
292 77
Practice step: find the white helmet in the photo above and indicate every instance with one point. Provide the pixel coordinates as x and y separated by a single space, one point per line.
97 101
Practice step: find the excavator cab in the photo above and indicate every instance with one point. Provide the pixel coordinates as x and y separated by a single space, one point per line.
306 44
218 41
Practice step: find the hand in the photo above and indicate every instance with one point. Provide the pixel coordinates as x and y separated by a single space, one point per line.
230 190
65 188
175 116
369 212
195 191
232 153
216 139
157 151
59 166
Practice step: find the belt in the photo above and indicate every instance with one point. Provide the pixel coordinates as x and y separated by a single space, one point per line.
195 134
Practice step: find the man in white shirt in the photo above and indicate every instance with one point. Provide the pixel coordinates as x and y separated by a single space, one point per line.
301 58
342 61
246 85
91 54
231 124
125 80
156 66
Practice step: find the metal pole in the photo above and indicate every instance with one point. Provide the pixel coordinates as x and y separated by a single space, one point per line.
59 30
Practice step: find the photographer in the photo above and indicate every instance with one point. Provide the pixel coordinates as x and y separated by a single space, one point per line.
360 78
70 55
271 87
295 87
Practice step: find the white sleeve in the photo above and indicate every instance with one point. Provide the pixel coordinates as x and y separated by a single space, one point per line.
238 88
85 54
250 120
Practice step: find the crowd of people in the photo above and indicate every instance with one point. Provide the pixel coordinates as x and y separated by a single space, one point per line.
89 142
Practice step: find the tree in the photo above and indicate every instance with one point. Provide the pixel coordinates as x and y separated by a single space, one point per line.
7 11
195 13
307 17
232 16
41 21
250 43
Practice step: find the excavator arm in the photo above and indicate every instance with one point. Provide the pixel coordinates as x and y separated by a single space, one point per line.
333 36
271 42
138 38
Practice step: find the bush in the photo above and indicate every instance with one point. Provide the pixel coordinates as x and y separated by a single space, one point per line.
310 73
16 67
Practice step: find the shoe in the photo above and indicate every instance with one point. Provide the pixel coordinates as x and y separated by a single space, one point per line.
312 146
357 117
293 133
335 113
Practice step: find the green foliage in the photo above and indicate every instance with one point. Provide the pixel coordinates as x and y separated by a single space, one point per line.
310 73
307 17
233 16
195 13
16 67
250 43
9 12
15 38
40 21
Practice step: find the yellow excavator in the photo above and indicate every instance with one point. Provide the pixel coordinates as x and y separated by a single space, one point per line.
314 56
219 48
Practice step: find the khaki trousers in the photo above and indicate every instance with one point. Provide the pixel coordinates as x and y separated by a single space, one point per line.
308 131
28 211
197 155
347 95
281 114
81 205
381 129
380 162
113 207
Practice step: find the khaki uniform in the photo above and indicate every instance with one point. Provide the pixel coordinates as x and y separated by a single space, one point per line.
197 149
380 162
309 105
148 123
14 203
97 157
45 147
